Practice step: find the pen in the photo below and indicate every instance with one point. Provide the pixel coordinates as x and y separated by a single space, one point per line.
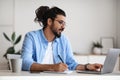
60 58
62 61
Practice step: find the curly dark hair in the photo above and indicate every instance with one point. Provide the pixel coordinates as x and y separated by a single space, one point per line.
44 12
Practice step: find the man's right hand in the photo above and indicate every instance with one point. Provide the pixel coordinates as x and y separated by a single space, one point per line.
60 67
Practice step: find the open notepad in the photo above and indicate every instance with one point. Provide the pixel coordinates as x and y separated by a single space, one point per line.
65 72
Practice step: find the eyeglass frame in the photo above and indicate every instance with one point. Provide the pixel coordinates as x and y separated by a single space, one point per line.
61 22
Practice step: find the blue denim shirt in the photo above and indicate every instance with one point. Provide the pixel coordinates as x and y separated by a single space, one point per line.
35 45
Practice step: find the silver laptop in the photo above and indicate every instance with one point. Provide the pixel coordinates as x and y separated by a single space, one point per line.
109 63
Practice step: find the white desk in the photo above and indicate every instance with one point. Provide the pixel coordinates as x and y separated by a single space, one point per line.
27 73
8 75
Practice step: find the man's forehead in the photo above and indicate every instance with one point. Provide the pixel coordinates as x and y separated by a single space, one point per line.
61 17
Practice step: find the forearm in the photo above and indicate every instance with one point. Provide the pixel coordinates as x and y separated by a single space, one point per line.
35 67
93 67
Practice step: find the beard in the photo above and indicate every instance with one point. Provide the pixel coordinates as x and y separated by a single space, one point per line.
56 33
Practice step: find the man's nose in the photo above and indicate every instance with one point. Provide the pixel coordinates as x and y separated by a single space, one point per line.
63 26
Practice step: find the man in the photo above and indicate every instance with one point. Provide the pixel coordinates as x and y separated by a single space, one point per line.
47 49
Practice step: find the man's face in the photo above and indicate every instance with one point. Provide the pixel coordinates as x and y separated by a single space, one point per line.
58 25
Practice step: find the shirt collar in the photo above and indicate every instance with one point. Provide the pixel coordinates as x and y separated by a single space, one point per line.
45 39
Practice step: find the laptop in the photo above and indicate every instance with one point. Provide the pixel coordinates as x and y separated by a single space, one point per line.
109 63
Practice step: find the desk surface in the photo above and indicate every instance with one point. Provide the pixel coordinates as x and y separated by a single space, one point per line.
27 73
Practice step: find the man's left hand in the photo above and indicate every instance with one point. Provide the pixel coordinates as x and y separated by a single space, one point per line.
94 67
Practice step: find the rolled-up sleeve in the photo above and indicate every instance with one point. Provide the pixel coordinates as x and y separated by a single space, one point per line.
27 52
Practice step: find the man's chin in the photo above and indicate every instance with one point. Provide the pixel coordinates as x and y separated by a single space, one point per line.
58 35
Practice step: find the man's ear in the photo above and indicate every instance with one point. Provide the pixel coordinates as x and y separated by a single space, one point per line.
49 21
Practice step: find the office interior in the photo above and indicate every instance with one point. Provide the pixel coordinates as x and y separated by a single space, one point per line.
86 21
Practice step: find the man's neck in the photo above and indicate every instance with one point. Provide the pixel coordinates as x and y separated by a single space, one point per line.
49 35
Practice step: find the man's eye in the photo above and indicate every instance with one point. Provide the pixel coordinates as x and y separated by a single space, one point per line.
61 22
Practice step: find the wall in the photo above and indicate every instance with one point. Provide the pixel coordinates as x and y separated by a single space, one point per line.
87 21
118 23
6 25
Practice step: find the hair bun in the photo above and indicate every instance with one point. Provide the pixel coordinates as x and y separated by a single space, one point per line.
40 13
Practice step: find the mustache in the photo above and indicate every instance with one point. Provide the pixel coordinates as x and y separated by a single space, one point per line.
62 29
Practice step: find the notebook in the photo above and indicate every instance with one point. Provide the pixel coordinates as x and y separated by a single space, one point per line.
54 72
109 63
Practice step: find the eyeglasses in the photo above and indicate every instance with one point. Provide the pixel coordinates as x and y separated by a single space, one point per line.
61 22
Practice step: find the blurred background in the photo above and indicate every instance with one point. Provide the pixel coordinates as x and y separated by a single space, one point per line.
87 21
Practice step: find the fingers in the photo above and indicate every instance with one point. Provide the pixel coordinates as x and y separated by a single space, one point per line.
95 67
91 67
60 67
63 66
98 67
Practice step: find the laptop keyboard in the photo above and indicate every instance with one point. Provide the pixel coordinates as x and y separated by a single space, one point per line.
93 72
